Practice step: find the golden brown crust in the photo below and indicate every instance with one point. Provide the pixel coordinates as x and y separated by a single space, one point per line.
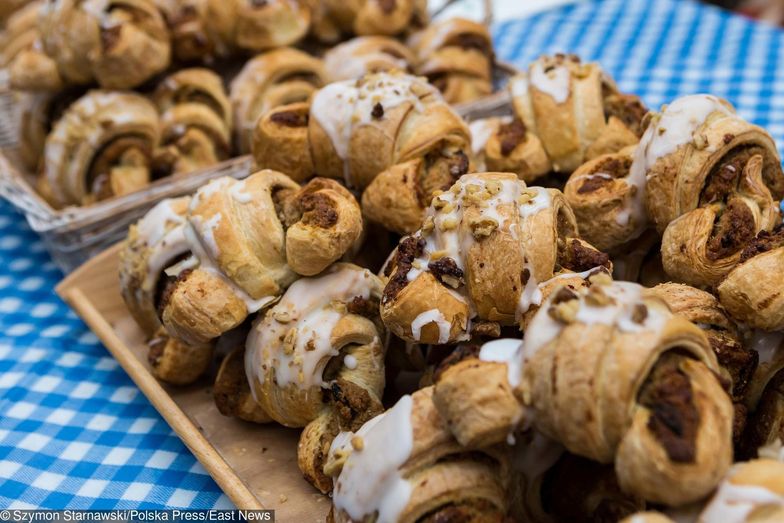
367 54
334 18
101 147
272 79
232 392
176 362
281 142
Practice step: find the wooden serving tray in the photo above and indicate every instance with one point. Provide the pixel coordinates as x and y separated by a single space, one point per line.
255 465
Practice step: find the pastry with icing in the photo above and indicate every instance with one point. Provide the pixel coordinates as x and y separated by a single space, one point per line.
712 182
610 373
235 250
274 78
102 146
486 250
366 54
210 29
196 121
118 44
575 110
456 55
504 144
405 466
314 360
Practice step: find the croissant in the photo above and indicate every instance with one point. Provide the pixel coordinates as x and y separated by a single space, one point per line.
247 242
404 466
334 18
575 110
738 363
278 77
20 49
154 244
741 292
607 198
101 147
356 129
366 54
119 44
207 29
712 182
484 247
664 419
196 121
8 9
457 56
316 360
503 144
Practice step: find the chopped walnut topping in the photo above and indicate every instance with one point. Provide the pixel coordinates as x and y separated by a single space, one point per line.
565 311
358 443
483 227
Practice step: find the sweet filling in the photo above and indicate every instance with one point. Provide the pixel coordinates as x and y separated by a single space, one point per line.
510 135
764 242
733 230
290 118
130 151
738 361
351 402
674 417
466 510
605 172
442 168
471 41
410 249
627 108
578 256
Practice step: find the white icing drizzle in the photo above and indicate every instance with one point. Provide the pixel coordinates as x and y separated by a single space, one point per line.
350 362
768 345
162 230
342 106
733 503
483 129
504 350
625 297
370 480
554 82
431 316
519 85
294 336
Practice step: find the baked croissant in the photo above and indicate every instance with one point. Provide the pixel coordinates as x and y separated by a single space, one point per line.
334 18
278 77
366 54
154 244
102 146
315 360
196 121
119 44
21 53
503 144
207 29
609 372
575 110
751 290
713 180
8 8
404 466
354 130
738 363
457 56
484 247
607 198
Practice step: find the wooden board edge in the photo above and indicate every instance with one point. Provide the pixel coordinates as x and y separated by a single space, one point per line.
188 432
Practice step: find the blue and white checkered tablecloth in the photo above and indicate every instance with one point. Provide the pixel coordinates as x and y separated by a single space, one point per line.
74 430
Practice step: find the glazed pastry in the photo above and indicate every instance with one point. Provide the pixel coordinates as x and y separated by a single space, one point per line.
575 110
207 29
484 247
366 54
457 56
119 44
316 360
738 363
333 18
278 77
752 491
664 419
247 241
503 144
101 147
404 466
196 121
712 182
743 293
607 199
388 132
154 243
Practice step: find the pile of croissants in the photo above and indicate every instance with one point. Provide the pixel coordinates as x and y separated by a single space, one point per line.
570 313
114 95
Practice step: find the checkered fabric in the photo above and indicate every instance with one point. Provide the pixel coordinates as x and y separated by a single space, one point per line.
74 430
